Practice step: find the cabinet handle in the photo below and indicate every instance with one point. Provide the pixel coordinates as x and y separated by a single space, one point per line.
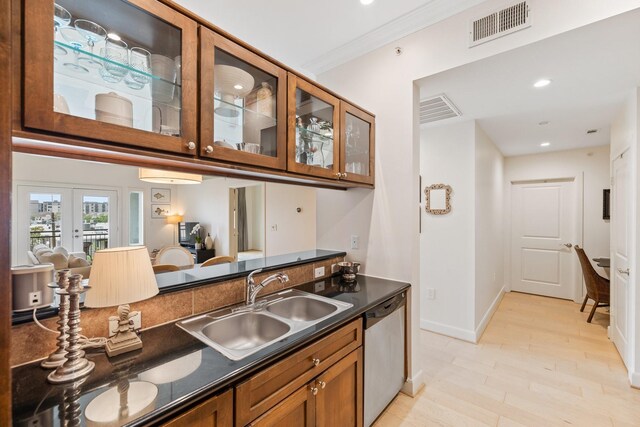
208 149
314 390
621 271
316 362
321 384
191 145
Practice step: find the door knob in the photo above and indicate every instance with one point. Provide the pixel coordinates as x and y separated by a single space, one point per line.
621 271
568 245
76 236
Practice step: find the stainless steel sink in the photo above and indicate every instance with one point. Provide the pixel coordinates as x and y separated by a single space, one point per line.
245 331
241 331
301 309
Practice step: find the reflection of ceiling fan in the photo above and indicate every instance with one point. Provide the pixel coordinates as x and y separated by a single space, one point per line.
231 83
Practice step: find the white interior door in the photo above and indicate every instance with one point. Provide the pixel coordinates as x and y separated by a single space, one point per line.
95 220
620 216
543 232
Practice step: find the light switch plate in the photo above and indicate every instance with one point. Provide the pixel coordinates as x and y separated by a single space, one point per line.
319 272
355 242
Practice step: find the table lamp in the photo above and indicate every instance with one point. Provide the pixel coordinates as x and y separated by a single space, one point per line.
175 220
120 276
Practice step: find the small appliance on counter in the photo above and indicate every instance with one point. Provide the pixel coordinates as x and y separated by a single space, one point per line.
348 270
30 286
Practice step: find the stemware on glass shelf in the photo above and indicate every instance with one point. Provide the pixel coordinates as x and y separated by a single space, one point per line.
61 18
139 59
115 54
93 33
77 42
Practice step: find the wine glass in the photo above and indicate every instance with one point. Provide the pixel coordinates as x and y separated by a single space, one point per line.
77 42
115 56
93 33
61 18
139 59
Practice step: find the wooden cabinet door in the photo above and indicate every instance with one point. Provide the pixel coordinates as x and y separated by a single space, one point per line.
215 412
357 144
243 104
122 72
297 410
313 132
339 401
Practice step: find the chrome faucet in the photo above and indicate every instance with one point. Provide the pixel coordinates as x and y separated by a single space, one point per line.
253 289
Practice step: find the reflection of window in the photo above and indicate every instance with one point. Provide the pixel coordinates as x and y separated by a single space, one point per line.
136 227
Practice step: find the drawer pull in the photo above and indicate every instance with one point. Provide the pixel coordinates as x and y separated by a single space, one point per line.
316 362
314 390
321 384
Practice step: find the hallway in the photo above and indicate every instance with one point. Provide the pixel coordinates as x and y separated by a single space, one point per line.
539 363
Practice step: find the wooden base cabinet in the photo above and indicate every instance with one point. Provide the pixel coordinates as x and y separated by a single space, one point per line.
215 412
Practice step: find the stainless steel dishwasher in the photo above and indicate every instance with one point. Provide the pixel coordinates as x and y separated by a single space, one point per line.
384 335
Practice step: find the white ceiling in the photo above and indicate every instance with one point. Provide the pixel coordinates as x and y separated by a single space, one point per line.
312 36
592 70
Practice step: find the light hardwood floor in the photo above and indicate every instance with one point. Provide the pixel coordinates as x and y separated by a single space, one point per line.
539 363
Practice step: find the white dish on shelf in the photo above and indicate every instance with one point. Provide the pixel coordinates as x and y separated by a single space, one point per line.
115 109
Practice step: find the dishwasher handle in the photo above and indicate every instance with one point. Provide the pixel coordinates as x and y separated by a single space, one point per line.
381 311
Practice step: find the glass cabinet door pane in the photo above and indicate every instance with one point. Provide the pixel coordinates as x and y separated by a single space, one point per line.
314 131
245 106
118 64
358 145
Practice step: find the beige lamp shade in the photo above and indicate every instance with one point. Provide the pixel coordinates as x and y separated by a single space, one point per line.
174 219
159 176
121 276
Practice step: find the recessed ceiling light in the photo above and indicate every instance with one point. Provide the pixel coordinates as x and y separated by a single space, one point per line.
238 87
114 36
366 2
545 144
542 83
544 123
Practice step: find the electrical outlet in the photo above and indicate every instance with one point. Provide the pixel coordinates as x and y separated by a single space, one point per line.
35 298
274 227
334 268
135 319
355 241
319 272
431 293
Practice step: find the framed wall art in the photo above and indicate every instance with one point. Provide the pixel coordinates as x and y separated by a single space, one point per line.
438 199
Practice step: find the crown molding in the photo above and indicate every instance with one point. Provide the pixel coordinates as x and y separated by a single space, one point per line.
432 12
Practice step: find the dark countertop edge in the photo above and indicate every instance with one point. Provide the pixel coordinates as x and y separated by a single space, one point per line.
203 393
49 312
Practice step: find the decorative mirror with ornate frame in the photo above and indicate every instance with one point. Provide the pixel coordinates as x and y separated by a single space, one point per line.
438 199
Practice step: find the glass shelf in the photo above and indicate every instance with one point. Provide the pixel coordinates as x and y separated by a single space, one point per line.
314 134
250 116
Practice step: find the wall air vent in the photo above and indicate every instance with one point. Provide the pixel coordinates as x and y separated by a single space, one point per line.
437 108
506 21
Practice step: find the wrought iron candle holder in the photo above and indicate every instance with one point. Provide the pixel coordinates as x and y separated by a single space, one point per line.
76 365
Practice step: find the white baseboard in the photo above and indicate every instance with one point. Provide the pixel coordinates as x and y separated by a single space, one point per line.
635 379
487 316
413 385
450 331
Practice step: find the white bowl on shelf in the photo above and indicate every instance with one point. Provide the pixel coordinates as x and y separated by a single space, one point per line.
231 83
115 109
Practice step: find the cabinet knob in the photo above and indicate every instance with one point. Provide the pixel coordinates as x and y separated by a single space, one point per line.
338 175
314 390
208 149
316 362
321 384
344 175
191 145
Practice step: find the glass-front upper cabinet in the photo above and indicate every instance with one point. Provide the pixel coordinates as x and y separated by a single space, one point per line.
243 104
357 158
314 130
112 70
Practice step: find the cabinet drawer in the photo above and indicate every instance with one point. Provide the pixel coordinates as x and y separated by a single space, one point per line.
215 412
267 388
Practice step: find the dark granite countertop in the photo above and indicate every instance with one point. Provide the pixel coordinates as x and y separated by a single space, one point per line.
193 277
172 366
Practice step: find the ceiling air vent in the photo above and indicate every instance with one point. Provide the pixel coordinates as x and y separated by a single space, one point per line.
437 108
500 23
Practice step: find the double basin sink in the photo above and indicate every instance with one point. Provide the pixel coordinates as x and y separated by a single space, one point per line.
242 331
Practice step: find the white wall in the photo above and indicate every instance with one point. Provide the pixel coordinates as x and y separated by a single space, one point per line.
589 166
384 83
287 229
447 262
52 171
489 229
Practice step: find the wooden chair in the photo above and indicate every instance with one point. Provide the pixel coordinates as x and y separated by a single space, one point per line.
176 255
598 288
217 260
163 268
